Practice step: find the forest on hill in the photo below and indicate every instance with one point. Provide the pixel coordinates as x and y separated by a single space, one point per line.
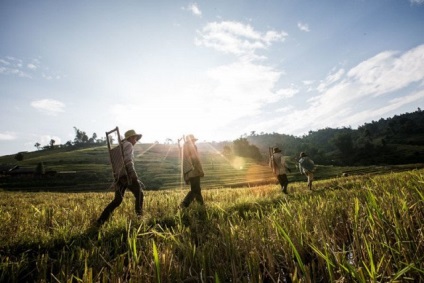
395 140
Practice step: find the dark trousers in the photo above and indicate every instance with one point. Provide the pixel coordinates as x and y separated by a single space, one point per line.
136 188
284 182
194 193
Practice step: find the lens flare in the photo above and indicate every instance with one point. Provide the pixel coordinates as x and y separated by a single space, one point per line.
238 163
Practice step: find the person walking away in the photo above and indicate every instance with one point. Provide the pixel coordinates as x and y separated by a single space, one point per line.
279 168
192 171
307 167
130 181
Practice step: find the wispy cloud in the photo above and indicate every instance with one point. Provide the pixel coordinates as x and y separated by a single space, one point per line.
194 8
25 68
32 66
48 106
287 92
389 71
13 66
331 78
358 95
416 2
303 27
237 38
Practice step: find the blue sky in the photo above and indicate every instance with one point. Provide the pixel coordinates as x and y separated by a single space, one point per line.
216 69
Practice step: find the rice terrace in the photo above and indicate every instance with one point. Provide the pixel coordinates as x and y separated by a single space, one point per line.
365 226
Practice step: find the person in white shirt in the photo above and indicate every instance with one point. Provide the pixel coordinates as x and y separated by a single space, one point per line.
307 167
127 179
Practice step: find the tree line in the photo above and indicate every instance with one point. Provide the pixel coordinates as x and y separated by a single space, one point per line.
395 140
81 139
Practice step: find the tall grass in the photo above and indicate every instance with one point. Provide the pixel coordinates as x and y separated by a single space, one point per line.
354 229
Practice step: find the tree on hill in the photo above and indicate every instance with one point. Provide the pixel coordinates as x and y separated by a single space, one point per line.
93 138
80 136
52 142
241 147
37 145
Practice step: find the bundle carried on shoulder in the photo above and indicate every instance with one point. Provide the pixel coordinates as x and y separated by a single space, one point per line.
306 163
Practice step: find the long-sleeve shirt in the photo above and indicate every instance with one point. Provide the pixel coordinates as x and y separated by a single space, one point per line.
128 150
191 161
280 166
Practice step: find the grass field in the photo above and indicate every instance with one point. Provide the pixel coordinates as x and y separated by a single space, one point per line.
360 228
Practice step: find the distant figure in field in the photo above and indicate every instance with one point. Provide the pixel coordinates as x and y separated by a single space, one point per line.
307 167
192 170
131 181
280 168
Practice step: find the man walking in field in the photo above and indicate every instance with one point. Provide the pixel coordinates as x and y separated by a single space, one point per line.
279 168
192 170
307 167
127 179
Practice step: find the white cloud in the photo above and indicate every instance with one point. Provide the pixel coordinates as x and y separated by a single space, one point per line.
31 66
205 105
389 71
7 136
307 82
12 66
48 106
416 2
4 62
18 67
194 8
287 92
244 85
303 27
331 78
237 38
380 75
359 95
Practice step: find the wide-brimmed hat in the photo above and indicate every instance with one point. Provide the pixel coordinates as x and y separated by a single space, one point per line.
190 137
131 133
276 150
302 154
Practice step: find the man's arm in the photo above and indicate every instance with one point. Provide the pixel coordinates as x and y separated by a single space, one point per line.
128 160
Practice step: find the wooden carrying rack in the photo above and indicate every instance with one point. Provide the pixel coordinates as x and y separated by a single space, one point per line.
116 155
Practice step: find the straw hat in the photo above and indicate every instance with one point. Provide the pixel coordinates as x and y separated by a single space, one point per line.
276 150
131 133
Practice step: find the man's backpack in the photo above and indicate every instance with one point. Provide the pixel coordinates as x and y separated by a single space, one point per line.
307 164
